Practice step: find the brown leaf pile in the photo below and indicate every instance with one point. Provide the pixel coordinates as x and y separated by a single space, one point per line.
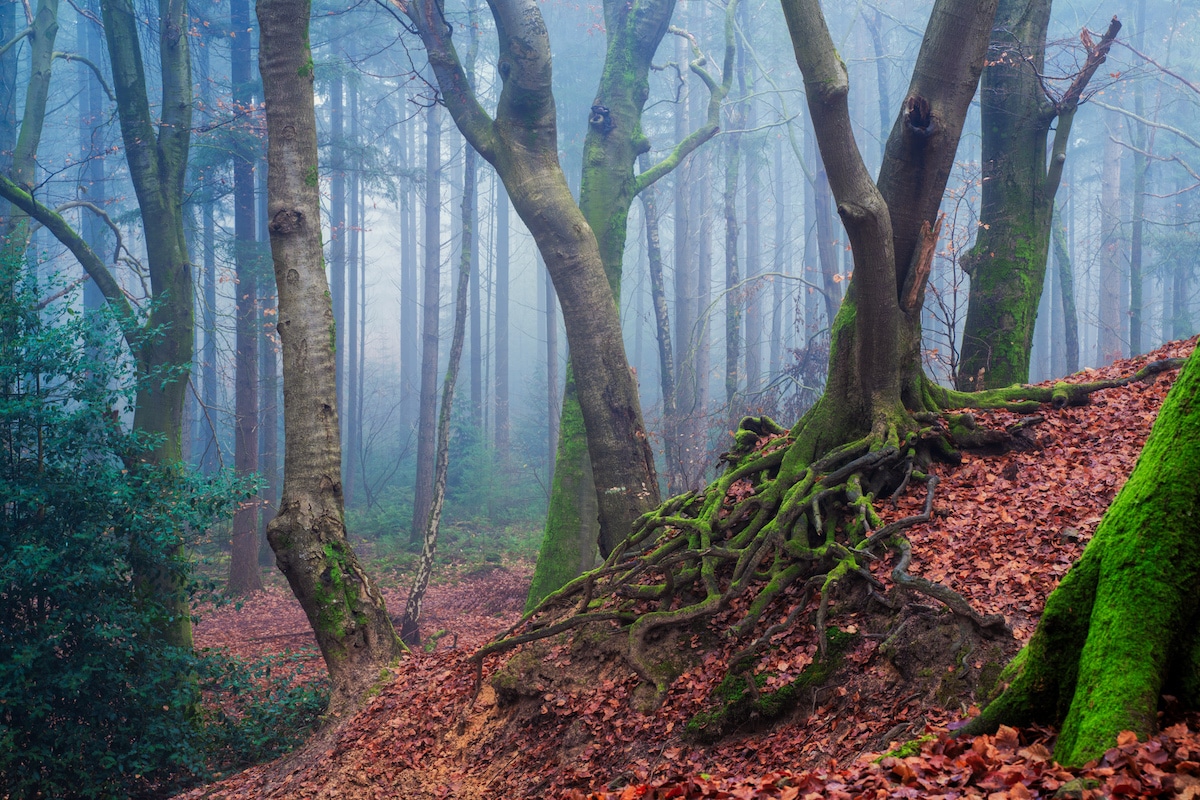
1005 531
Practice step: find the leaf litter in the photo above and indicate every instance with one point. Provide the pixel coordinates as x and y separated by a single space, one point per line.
575 724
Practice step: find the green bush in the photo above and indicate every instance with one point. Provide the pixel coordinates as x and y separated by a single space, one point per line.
93 702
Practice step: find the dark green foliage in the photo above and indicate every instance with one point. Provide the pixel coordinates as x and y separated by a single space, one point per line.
93 701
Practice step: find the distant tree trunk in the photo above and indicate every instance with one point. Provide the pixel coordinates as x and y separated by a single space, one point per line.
553 402
211 457
410 625
733 292
1066 284
684 246
662 329
1181 318
1140 166
8 101
1109 344
410 350
779 264
478 401
90 43
342 604
244 575
1121 628
826 244
430 321
501 374
1007 265
337 225
754 285
353 228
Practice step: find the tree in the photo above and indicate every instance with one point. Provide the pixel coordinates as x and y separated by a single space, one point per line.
308 535
1007 266
521 143
1122 626
156 150
244 575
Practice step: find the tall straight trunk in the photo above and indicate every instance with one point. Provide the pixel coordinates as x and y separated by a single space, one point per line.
501 369
779 264
1181 271
9 25
831 291
430 319
410 625
410 350
211 451
353 343
342 603
1140 165
477 318
550 302
733 296
337 224
754 285
684 240
91 128
244 575
662 330
1021 175
1066 285
1109 345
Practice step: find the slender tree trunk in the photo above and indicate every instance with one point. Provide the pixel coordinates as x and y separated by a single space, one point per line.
91 130
410 625
501 373
733 293
244 576
779 264
1066 283
430 322
1109 345
754 285
341 602
662 329
1181 318
353 343
337 225
410 351
1140 166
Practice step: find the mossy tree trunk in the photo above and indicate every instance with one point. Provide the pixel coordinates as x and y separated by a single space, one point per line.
1007 265
612 147
308 534
521 143
1123 625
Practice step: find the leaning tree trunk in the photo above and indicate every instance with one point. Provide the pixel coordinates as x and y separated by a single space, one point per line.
521 143
308 534
1122 627
1007 265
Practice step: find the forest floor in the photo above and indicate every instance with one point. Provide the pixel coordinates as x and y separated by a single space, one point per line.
565 718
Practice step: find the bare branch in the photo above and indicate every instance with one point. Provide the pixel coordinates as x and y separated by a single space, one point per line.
68 57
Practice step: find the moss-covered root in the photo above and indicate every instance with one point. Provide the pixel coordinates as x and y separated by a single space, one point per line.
1119 626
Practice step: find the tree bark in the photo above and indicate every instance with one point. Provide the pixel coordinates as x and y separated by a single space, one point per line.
521 142
1109 345
308 535
244 575
430 324
1007 265
1122 626
501 374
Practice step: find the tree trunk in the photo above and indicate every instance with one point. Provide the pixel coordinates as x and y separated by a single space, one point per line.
308 535
1109 345
410 625
1066 283
353 344
410 352
1122 626
779 265
430 323
733 292
337 225
244 575
156 150
503 426
1007 265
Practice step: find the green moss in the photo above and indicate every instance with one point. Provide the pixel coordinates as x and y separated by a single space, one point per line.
909 749
305 70
312 176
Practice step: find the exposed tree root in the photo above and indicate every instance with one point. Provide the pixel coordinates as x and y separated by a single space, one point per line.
768 527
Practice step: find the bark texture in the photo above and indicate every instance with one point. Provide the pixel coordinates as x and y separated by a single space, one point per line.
1122 626
521 143
308 535
1007 265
